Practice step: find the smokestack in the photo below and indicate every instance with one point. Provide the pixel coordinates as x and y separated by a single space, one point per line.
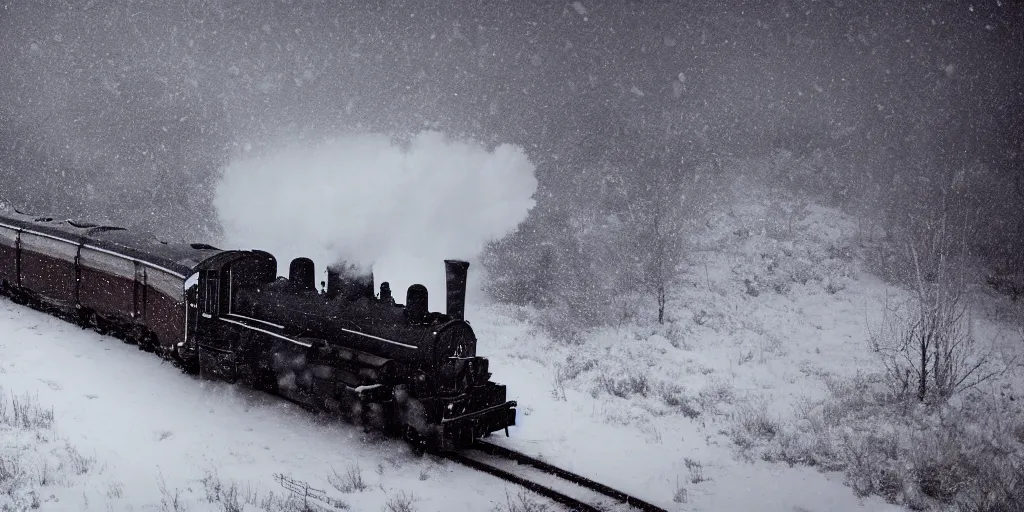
301 274
334 282
455 274
416 303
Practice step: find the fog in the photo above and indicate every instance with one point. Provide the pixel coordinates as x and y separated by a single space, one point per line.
145 113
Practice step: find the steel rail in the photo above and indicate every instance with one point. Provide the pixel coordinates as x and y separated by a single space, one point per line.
547 492
526 460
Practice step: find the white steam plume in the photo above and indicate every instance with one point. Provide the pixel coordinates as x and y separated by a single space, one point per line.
368 201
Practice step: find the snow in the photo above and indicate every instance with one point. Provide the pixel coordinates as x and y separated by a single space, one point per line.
723 351
143 421
148 427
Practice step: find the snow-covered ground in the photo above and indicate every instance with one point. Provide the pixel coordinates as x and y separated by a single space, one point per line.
127 424
770 310
774 306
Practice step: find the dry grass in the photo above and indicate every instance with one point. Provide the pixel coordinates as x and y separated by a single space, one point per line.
351 481
965 456
401 502
28 465
25 412
521 502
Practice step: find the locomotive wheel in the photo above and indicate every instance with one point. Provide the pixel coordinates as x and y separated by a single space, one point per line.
98 324
83 318
147 340
265 379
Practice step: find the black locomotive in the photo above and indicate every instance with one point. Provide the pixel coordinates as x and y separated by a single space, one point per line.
226 315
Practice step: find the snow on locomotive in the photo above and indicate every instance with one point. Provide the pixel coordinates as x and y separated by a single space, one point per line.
225 315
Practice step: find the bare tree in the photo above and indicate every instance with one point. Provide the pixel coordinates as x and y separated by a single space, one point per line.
658 226
928 344
668 197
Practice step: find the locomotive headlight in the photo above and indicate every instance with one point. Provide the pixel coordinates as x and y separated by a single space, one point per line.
451 407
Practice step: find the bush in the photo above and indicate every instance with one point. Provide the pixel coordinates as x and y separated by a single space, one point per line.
522 502
624 387
966 456
401 502
674 396
752 425
351 481
25 412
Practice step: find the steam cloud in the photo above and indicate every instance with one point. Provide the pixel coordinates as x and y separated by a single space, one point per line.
363 199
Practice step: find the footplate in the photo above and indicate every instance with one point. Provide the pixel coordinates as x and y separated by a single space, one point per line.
462 431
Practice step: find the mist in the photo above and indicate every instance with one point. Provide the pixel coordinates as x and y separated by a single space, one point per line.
395 208
131 113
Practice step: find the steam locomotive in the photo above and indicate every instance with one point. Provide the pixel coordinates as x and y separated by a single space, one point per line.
226 315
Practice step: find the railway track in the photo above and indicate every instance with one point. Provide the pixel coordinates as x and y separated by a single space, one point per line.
576 492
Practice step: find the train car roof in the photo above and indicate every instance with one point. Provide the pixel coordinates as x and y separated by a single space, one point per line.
179 258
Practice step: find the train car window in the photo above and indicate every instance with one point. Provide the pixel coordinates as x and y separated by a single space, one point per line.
49 246
107 263
8 237
211 289
166 284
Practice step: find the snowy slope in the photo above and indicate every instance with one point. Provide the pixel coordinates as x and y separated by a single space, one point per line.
774 306
139 420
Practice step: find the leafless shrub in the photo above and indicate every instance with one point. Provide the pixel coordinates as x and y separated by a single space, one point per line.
674 396
929 349
714 393
680 495
522 502
696 470
752 424
170 501
26 413
227 495
624 387
351 481
11 473
401 502
115 490
745 357
833 287
558 383
867 458
965 455
928 344
575 365
43 475
676 335
76 462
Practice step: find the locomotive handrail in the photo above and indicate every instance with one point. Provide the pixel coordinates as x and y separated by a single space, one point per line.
378 338
264 331
243 317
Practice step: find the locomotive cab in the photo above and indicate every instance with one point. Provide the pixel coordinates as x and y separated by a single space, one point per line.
212 343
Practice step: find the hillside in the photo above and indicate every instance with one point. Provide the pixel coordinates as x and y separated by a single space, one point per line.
769 326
